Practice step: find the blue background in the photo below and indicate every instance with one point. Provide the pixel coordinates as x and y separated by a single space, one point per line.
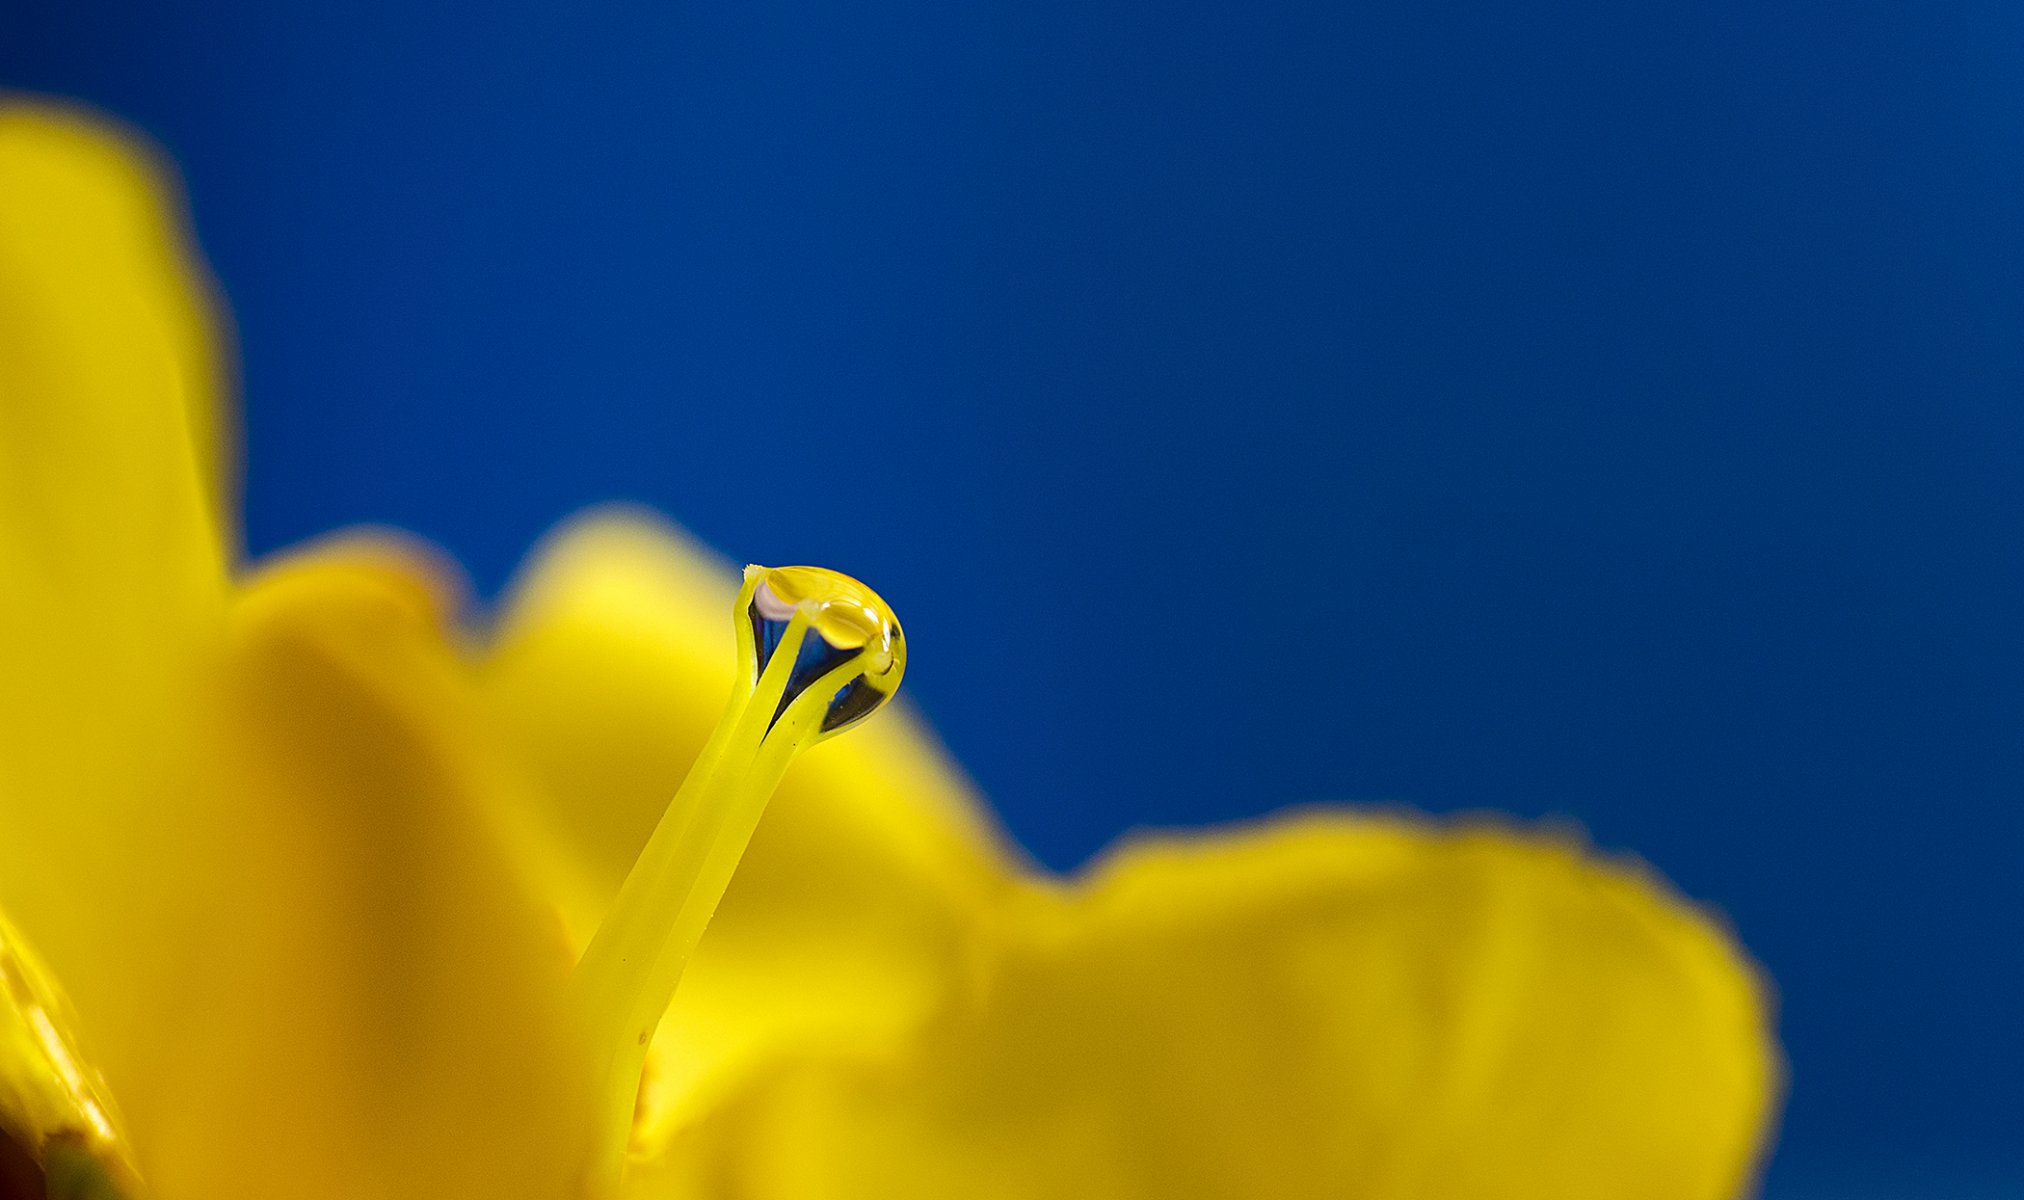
1592 409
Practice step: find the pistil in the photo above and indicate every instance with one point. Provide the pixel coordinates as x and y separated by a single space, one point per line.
818 652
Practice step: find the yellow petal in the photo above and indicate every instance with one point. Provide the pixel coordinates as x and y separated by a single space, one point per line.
380 1008
111 556
56 1114
860 887
1329 1007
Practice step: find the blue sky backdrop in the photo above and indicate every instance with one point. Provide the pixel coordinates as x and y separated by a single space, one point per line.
1604 410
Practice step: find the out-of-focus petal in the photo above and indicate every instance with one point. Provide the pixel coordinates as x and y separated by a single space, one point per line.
378 1007
865 878
57 1118
111 554
1330 1007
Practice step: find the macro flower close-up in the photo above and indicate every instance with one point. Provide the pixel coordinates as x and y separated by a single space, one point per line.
1002 601
318 884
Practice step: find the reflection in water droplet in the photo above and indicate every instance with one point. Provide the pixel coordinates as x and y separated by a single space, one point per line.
845 618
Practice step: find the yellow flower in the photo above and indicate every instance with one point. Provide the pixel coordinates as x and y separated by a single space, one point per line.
295 875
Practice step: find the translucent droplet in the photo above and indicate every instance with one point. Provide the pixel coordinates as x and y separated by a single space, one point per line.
846 620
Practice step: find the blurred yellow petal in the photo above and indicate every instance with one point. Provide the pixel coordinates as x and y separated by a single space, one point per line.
381 1009
862 886
111 555
1324 1008
58 1125
611 665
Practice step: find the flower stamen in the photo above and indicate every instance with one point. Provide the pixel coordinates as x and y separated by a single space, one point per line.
819 652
